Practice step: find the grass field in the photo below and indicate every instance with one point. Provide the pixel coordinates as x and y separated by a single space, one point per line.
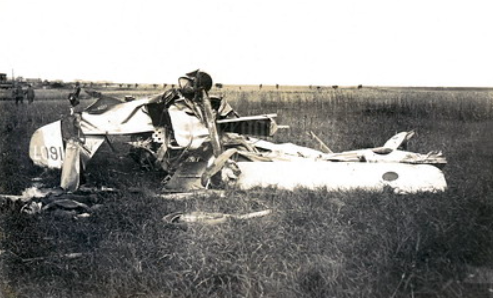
315 244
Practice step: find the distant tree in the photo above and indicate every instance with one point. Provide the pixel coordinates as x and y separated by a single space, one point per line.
360 86
277 86
106 85
310 87
335 86
129 86
121 85
172 85
154 85
136 85
165 85
219 85
318 88
260 86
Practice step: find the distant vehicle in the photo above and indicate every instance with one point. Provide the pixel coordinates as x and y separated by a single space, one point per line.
4 83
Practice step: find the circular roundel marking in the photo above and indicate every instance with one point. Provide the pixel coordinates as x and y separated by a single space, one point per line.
390 176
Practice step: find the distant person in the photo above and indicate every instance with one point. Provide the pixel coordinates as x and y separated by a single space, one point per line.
18 94
30 94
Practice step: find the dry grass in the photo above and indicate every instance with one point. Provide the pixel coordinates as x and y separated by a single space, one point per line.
316 244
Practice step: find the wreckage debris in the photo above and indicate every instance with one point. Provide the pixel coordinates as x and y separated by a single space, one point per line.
210 217
192 194
32 208
77 205
200 142
73 255
61 208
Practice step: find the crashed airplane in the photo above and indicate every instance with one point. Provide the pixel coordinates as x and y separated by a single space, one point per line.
200 142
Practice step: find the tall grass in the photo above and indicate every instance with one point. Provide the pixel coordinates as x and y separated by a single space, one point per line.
315 244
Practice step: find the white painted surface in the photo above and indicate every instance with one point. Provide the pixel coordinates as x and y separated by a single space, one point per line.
341 176
124 118
46 146
188 130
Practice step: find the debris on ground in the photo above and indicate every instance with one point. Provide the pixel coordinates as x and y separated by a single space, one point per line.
75 205
200 142
210 217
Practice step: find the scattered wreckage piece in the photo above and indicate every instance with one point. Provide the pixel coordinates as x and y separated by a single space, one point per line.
73 255
210 217
192 194
32 192
200 142
69 205
63 207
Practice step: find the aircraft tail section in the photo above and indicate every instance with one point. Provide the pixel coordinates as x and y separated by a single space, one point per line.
46 148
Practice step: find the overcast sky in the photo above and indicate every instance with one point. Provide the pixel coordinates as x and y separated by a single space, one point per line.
406 43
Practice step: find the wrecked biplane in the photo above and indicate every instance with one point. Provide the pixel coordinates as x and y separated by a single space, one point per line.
202 143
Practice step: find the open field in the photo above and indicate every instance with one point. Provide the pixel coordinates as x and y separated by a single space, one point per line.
315 244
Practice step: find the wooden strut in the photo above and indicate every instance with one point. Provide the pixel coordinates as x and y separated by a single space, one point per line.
324 147
211 125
